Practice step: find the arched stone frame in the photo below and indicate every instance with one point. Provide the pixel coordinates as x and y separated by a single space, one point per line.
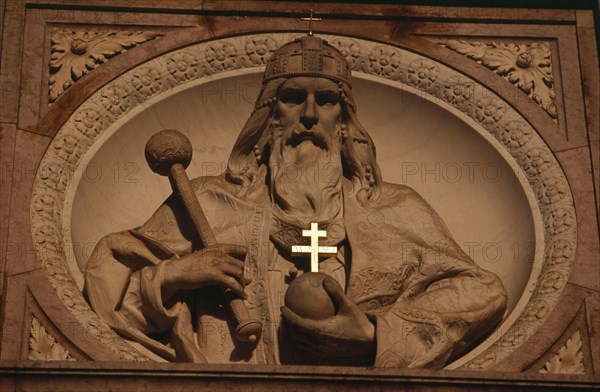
93 120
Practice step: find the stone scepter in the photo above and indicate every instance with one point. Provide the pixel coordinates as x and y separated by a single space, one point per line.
169 153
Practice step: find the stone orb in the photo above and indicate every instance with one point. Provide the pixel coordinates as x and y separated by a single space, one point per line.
307 297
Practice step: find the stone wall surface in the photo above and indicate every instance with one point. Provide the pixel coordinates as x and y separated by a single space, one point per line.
526 78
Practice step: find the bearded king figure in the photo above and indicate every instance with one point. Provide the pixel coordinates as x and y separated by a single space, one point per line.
408 295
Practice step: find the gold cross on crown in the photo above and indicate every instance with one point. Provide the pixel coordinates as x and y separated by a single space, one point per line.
310 19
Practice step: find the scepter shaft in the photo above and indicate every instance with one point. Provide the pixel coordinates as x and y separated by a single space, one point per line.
168 153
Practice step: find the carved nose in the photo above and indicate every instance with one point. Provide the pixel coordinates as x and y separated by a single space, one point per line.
309 114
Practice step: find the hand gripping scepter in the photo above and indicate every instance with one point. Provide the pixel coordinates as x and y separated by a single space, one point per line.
169 153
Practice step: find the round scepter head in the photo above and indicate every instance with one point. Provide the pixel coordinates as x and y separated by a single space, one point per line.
166 148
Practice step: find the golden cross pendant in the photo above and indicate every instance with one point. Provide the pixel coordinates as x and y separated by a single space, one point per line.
314 249
310 19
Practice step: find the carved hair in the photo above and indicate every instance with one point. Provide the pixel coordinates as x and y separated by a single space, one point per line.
358 150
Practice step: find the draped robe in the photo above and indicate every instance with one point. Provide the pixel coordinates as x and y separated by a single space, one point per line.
429 301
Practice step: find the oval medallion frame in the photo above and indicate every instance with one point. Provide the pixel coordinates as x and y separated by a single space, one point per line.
542 174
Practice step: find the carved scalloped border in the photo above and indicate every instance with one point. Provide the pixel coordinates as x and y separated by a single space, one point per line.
159 75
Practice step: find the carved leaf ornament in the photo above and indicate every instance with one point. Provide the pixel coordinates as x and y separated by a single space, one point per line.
568 360
75 53
43 347
528 67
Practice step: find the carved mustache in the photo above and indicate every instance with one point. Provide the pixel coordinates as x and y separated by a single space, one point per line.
300 134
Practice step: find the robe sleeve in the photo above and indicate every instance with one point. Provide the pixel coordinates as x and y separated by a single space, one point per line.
437 323
443 303
124 273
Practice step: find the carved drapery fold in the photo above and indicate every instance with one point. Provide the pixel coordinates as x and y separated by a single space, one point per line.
527 66
75 53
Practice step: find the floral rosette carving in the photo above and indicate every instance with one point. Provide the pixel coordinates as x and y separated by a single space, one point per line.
183 66
458 92
536 161
44 205
551 190
54 176
147 81
551 282
528 66
67 148
535 311
88 123
76 53
115 99
515 135
483 361
422 73
517 335
260 49
349 48
560 252
221 56
384 60
57 271
47 238
489 111
70 297
559 221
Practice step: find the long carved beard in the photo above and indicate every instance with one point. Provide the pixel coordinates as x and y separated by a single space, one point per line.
306 174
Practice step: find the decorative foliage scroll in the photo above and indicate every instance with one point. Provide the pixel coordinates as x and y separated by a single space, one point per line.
568 360
163 74
75 53
43 347
529 67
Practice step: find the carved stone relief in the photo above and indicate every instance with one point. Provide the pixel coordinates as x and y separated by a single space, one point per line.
160 75
43 346
568 359
75 53
527 66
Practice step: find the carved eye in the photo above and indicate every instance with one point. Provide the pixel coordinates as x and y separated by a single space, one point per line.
291 96
327 98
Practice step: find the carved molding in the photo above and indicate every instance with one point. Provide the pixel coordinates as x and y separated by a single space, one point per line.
527 66
43 347
540 169
76 53
568 359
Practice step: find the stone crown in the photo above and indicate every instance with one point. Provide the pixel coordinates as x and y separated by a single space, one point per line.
308 56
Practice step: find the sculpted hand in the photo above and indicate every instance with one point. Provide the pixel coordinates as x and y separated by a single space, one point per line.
221 264
347 333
